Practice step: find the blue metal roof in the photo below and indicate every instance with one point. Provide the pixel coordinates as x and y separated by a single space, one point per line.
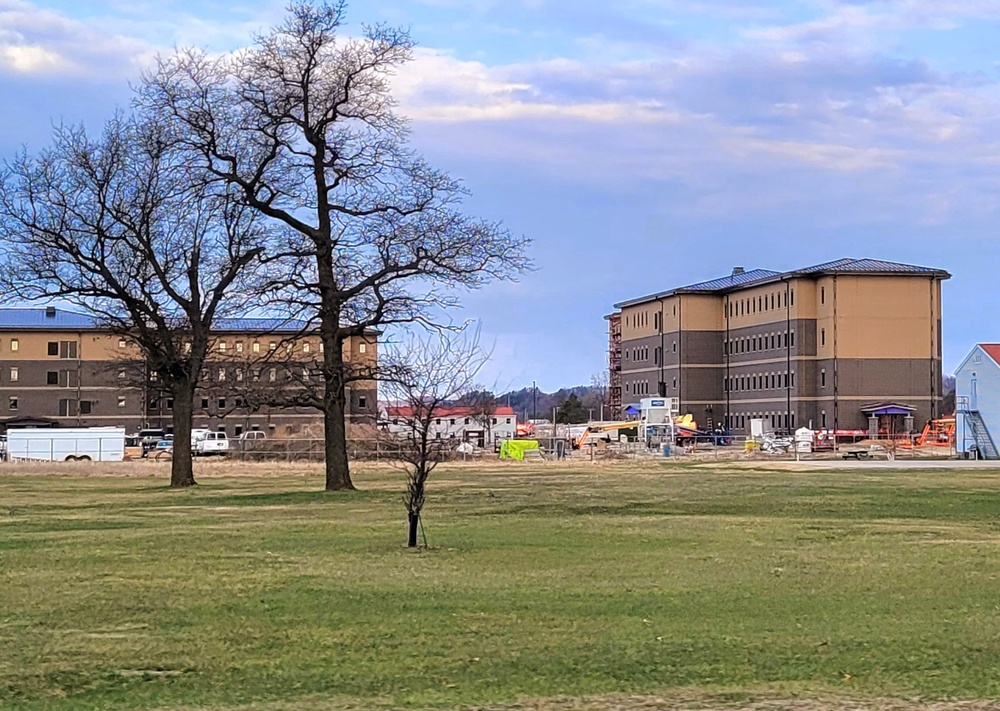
261 325
763 276
41 318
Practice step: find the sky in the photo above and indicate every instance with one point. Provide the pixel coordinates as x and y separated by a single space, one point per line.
642 144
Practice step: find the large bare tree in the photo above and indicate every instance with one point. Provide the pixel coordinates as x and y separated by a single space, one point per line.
302 125
429 374
120 226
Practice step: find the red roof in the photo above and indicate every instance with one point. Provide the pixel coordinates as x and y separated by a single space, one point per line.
407 411
992 350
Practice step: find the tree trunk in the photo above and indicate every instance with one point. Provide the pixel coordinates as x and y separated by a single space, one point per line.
338 473
411 538
181 466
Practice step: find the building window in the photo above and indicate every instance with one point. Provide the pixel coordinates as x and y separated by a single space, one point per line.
272 346
239 346
508 420
53 348
187 347
362 348
451 421
14 375
256 347
85 407
272 375
222 346
14 346
67 349
822 336
52 377
121 342
13 403
791 342
64 407
239 374
222 374
822 294
222 403
170 403
204 403
121 374
823 419
822 378
305 347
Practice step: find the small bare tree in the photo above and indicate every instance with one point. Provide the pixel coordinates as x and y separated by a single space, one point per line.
120 226
302 126
429 374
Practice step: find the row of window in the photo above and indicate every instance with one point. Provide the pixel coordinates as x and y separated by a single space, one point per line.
451 421
761 303
762 381
777 419
255 346
67 407
756 344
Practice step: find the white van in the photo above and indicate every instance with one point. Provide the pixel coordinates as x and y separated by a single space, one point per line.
205 442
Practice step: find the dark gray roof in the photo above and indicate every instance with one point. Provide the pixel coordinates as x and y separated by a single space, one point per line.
762 276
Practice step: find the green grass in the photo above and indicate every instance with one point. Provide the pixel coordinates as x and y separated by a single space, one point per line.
262 592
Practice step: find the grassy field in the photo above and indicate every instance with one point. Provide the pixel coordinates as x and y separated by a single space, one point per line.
632 586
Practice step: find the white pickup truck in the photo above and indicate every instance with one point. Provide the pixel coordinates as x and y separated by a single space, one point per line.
205 442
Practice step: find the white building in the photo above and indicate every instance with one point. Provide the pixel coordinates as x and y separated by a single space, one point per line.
977 401
460 424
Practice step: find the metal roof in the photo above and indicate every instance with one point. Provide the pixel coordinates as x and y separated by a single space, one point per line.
39 318
42 318
754 277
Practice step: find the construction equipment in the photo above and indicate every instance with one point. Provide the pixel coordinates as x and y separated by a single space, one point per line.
938 433
596 429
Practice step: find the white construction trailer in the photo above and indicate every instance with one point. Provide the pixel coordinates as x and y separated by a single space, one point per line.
67 444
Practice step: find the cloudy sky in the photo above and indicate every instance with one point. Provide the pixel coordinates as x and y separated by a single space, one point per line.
642 144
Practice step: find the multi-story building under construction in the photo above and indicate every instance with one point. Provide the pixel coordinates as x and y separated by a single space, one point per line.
831 346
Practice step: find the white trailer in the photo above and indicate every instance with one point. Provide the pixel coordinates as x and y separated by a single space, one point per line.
67 444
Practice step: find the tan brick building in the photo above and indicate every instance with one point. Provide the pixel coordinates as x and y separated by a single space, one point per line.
814 345
61 367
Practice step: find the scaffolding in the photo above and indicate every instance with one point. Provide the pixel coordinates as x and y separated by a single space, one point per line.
615 364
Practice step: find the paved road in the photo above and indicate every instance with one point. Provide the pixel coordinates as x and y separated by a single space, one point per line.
956 464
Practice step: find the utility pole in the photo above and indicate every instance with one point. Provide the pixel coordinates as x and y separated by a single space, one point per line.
534 400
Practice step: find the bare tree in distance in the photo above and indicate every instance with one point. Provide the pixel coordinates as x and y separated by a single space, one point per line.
430 373
116 226
303 127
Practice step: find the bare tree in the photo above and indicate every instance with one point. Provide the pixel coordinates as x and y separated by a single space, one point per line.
429 375
302 126
116 225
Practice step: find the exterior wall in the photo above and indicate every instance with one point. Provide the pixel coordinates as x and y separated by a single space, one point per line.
980 366
804 349
102 384
461 428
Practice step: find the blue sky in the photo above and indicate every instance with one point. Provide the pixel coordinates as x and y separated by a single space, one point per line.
642 144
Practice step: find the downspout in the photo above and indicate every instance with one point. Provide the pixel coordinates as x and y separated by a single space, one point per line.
933 351
788 359
836 383
727 349
680 354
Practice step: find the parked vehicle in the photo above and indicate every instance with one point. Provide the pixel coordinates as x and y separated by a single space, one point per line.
67 444
206 442
148 438
253 434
